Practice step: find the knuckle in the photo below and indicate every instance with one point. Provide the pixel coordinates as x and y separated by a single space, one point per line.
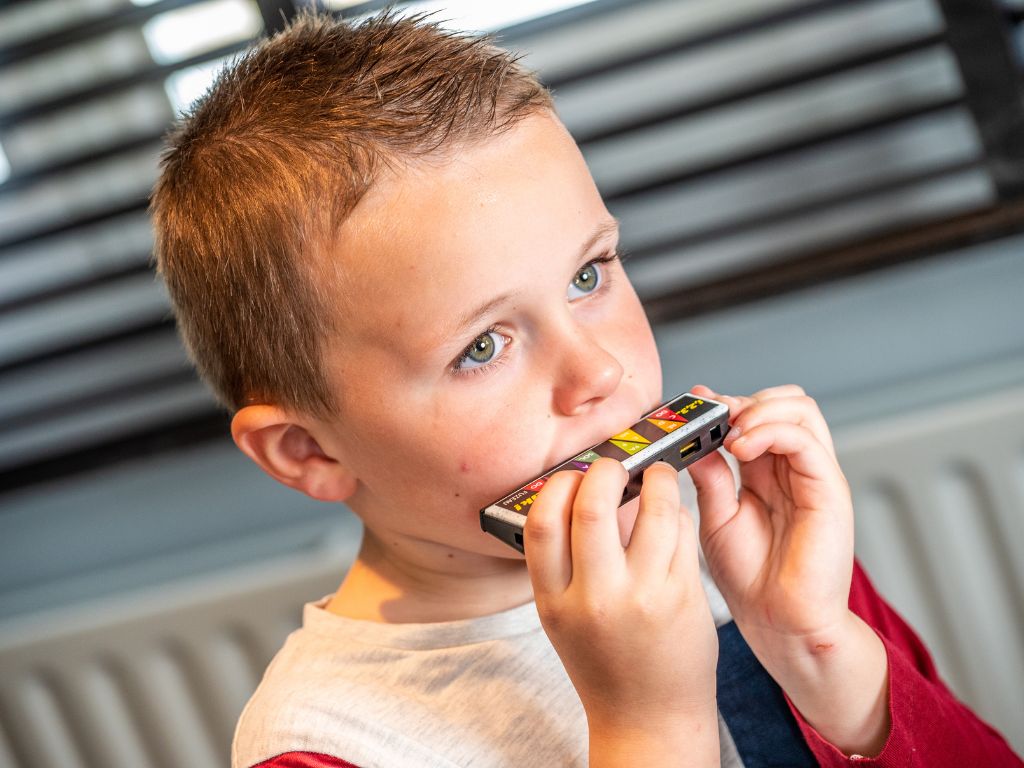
595 609
587 514
539 528
755 409
796 434
808 402
646 608
793 390
661 507
782 390
551 616
806 431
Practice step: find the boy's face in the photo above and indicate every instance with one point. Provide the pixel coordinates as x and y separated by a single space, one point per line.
569 359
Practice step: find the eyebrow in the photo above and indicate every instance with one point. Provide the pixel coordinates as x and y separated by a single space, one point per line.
473 317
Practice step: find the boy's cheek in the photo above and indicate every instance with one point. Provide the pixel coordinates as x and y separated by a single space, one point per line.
436 454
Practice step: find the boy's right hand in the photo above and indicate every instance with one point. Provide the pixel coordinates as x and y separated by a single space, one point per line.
630 624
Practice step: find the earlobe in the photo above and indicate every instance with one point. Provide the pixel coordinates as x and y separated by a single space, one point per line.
289 453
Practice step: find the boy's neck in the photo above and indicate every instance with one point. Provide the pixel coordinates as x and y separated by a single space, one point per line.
415 581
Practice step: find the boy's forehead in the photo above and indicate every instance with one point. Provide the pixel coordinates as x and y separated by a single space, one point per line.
429 243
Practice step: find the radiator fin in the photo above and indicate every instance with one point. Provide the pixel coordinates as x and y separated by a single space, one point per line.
40 724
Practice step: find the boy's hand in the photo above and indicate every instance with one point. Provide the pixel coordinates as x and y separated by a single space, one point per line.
631 624
782 552
782 555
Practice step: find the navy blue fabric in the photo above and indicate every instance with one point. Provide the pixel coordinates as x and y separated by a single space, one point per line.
751 702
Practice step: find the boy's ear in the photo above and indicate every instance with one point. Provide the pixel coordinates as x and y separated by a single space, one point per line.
287 452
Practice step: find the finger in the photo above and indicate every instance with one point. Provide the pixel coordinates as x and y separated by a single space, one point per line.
716 493
546 534
656 530
734 403
805 454
685 565
784 390
596 546
801 410
627 519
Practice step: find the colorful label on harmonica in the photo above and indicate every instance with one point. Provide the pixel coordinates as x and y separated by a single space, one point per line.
667 418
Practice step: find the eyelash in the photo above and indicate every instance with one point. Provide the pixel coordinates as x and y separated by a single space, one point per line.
606 282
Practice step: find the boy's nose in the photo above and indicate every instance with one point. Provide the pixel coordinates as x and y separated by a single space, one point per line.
585 374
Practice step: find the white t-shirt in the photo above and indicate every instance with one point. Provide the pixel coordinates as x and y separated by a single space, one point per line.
489 691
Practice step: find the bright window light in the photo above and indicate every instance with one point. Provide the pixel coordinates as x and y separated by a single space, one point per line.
478 16
189 31
5 167
186 85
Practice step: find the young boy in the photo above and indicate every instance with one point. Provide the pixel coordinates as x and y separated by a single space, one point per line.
389 260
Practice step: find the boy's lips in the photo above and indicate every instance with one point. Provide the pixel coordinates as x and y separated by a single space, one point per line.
559 456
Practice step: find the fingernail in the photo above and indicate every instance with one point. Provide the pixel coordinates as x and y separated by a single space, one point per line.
734 435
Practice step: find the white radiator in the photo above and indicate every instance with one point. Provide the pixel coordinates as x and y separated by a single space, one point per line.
157 680
939 499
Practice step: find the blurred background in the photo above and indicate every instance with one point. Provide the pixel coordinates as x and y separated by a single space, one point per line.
822 192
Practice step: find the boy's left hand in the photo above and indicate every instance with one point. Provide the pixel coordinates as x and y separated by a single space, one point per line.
781 551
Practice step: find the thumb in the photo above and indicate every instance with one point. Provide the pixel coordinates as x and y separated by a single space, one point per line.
716 493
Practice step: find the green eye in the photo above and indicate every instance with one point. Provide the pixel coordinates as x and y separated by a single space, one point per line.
587 279
483 353
482 348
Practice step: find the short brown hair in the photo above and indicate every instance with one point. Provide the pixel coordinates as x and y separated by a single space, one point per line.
266 166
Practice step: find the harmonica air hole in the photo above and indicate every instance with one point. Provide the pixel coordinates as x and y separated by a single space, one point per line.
689 449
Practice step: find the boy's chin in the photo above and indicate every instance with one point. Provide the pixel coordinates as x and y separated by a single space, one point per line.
498 548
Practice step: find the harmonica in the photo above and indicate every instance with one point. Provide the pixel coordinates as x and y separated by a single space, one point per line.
680 431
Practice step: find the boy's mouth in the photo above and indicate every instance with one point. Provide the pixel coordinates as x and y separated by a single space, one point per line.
598 439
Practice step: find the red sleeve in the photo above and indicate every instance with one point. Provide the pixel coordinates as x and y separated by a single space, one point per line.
930 727
304 760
